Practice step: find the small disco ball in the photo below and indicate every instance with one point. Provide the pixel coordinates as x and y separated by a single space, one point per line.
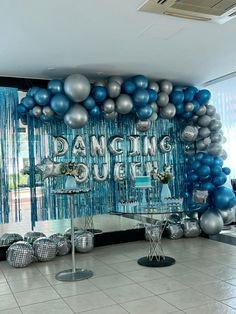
174 218
20 254
32 236
9 238
63 243
191 228
84 242
44 249
153 233
77 231
174 231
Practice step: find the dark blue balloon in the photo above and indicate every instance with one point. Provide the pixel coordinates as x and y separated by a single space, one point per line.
140 97
187 115
89 103
207 186
152 95
203 96
189 94
176 97
232 202
196 105
216 170
196 164
140 81
179 109
199 156
128 87
99 93
60 103
193 177
226 170
204 171
32 91
23 119
28 102
42 97
223 198
145 112
208 160
95 112
55 86
219 180
43 118
21 109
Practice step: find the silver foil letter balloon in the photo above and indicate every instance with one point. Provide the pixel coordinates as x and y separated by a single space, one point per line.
60 146
104 175
114 145
149 146
119 171
134 170
165 145
82 173
151 168
79 147
97 146
134 145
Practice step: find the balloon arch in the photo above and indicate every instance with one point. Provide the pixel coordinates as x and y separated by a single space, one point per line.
75 101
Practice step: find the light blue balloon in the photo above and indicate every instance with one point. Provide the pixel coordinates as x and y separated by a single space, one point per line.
32 91
145 112
140 81
28 102
42 97
55 86
60 103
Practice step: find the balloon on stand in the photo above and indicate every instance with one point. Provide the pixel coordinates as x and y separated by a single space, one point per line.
95 112
124 104
42 97
60 103
154 85
163 99
114 89
89 103
211 222
168 112
37 111
77 87
143 125
140 97
140 81
144 113
55 86
76 117
166 86
108 106
128 87
99 93
28 102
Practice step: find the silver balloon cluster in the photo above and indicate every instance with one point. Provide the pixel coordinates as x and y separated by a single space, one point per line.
9 238
20 254
44 249
84 242
77 231
63 244
174 231
31 236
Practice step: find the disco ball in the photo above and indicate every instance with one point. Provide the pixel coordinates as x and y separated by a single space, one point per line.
84 242
44 249
32 236
9 238
63 243
174 231
20 254
77 231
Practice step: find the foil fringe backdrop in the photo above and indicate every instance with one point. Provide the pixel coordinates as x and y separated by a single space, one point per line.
9 152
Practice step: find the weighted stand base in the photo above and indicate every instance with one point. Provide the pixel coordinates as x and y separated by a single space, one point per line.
154 262
79 274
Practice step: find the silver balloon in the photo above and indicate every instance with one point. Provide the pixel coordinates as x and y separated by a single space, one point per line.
194 119
204 132
174 219
48 112
188 107
9 238
110 116
214 149
215 125
216 137
217 116
166 86
134 145
63 244
211 222
77 87
37 111
79 147
191 228
100 83
228 215
124 104
77 231
224 155
84 242
44 249
168 111
189 133
193 215
113 89
60 146
165 144
154 85
154 107
117 79
153 117
119 171
97 145
76 117
163 99
201 111
207 141
143 126
105 173
174 231
20 254
31 236
204 121
201 146
210 110
224 140
108 106
114 145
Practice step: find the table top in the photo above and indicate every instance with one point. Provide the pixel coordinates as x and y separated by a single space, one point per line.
70 192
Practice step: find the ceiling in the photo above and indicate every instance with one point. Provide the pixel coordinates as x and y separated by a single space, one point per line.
49 39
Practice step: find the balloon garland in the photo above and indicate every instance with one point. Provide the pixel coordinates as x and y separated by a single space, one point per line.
75 100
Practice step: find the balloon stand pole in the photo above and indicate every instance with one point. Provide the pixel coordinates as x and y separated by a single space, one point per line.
73 274
89 223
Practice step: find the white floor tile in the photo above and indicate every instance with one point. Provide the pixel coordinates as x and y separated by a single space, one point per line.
11 311
66 289
111 281
144 274
4 288
114 309
218 290
7 301
126 266
194 278
28 284
231 302
163 285
50 307
211 308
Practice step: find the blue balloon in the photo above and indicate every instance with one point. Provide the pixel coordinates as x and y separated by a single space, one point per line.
219 180
21 109
226 170
140 81
42 97
189 94
152 95
207 186
60 103
32 91
176 97
196 164
208 160
99 93
191 159
145 112
218 161
204 171
216 170
193 177
187 115
43 118
28 102
55 86
179 109
140 97
95 112
196 105
203 96
223 198
128 87
89 103
199 156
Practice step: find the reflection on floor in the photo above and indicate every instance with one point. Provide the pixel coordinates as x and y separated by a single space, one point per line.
203 280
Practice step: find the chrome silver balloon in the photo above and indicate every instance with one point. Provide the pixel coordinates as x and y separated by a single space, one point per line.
191 228
204 132
31 236
215 125
113 89
223 154
149 146
163 99
166 86
37 111
63 244
153 117
76 117
201 146
214 149
20 254
84 242
154 85
211 222
228 215
124 104
210 110
204 120
216 137
97 145
168 112
189 133
108 106
110 116
48 112
189 107
174 231
77 87
44 249
143 125
117 79
9 238
114 145
100 83
201 111
154 107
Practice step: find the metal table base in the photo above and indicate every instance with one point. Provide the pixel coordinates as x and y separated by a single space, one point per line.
70 275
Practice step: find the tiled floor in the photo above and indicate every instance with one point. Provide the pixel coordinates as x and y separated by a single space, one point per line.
203 281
